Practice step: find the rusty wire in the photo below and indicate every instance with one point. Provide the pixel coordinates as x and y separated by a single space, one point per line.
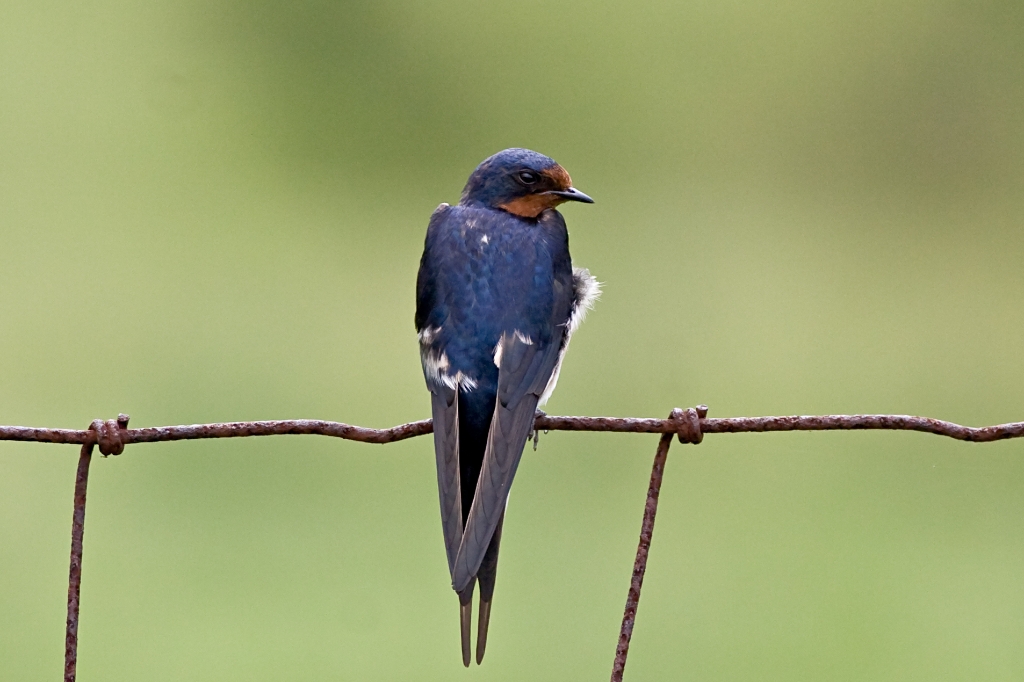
75 572
836 422
689 425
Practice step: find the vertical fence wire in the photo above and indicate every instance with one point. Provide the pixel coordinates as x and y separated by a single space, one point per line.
640 564
75 574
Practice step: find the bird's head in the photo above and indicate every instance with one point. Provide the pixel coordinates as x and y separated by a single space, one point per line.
521 182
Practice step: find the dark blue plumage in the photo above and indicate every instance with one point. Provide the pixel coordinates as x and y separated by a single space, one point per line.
497 300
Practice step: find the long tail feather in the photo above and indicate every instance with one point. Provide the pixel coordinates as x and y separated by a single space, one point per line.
466 621
481 632
487 575
466 616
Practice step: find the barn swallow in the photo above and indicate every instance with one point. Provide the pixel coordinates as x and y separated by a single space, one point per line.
497 299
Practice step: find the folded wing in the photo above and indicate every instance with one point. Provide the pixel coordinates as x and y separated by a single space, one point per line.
445 411
524 367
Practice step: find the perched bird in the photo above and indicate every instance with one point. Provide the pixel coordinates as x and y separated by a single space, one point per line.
497 299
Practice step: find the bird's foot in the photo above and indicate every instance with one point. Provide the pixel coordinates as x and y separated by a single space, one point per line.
534 433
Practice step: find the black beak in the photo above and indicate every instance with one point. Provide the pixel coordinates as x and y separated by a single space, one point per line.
572 194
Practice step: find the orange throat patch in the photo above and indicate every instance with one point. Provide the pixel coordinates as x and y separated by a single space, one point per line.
532 205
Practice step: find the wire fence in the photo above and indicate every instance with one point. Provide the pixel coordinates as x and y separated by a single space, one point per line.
690 426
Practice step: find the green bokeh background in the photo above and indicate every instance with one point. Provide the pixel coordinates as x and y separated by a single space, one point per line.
214 211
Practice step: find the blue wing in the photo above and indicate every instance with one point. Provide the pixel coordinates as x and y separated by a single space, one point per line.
523 374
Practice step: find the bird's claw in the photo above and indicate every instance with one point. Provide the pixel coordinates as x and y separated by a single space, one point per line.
534 433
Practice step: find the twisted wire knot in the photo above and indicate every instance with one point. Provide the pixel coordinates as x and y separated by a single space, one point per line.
110 434
688 420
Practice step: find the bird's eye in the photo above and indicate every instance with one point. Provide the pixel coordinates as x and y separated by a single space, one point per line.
528 177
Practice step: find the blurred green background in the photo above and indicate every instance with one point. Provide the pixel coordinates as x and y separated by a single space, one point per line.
214 211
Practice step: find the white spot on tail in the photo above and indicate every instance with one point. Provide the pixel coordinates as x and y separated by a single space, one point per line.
500 348
428 334
435 369
523 338
434 363
460 381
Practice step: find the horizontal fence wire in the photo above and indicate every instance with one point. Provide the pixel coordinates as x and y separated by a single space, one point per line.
834 422
690 426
